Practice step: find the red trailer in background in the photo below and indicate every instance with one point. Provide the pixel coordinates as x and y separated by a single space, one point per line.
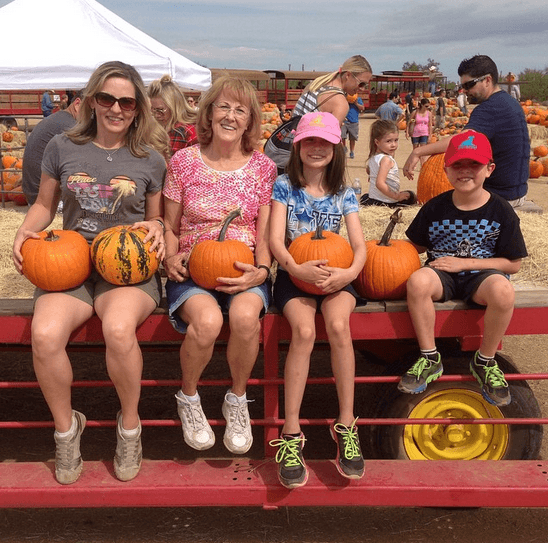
286 86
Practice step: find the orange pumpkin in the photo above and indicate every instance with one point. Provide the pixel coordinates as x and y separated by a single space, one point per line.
17 197
389 265
402 125
432 179
320 245
121 257
544 163
536 169
540 151
210 259
7 136
8 161
59 260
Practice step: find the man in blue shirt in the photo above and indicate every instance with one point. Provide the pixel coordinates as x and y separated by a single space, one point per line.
47 105
499 117
390 111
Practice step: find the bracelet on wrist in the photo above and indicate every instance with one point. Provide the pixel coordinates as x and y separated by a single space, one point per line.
267 268
161 223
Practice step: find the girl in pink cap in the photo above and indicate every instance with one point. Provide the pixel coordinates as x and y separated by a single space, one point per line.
313 192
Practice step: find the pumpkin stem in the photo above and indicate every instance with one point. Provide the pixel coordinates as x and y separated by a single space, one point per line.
318 234
51 236
395 218
229 218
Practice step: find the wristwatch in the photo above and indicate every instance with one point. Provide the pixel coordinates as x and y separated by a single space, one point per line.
267 268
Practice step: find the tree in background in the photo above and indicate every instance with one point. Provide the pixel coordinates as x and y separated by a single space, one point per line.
537 86
415 67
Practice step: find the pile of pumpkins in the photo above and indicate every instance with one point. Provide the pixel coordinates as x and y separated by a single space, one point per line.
538 164
270 120
11 180
535 113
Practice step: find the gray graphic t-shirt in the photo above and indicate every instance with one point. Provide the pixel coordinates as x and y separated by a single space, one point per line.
96 193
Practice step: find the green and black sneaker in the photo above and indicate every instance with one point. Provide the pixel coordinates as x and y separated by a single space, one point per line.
349 455
494 387
422 372
292 471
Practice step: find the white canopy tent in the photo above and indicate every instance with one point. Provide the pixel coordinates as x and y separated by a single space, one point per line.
65 41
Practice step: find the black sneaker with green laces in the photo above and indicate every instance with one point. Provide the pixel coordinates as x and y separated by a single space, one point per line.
349 460
423 371
494 387
292 471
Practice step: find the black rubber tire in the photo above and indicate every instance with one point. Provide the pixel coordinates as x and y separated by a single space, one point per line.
386 442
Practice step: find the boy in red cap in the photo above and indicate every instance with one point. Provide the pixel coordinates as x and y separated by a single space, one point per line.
473 243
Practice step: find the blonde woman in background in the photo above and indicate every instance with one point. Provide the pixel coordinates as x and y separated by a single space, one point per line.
330 90
172 111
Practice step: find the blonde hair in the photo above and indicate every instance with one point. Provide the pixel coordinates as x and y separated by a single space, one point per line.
138 134
243 91
355 64
174 99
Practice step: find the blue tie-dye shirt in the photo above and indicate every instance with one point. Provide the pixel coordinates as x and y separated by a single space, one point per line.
305 211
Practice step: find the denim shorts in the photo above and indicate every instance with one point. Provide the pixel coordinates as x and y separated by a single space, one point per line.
178 293
458 286
419 139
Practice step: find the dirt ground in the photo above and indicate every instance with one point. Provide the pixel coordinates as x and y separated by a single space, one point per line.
249 525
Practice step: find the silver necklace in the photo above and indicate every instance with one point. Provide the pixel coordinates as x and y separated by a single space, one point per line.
109 153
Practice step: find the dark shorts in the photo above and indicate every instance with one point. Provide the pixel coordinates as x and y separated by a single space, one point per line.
95 285
417 140
463 287
178 293
351 130
365 200
285 290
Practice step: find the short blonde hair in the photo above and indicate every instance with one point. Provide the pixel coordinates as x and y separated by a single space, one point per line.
244 92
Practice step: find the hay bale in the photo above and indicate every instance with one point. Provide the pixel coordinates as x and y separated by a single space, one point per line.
13 285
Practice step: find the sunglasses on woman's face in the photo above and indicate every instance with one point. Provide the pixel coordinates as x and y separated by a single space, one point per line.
107 100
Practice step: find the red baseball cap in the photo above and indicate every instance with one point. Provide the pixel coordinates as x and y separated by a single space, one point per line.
471 145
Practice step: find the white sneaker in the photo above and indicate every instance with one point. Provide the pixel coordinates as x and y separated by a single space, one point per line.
68 461
197 432
238 437
129 453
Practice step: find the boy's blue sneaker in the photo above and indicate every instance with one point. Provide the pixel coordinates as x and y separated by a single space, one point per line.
422 372
351 154
292 471
494 387
349 460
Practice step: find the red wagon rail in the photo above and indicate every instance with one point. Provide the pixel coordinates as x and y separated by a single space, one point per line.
253 481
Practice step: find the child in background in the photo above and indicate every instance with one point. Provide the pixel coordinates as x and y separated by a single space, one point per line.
384 178
312 191
473 243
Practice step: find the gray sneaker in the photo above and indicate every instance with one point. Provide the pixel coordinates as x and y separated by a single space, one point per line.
129 453
197 432
238 437
68 461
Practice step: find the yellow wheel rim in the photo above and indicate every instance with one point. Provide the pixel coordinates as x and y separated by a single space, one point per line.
455 441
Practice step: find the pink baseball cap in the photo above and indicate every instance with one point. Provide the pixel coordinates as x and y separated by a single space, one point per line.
471 145
318 124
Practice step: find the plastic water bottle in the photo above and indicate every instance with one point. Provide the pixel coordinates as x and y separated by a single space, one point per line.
357 186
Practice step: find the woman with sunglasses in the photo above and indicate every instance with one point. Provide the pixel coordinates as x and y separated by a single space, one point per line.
204 184
171 109
328 92
499 117
106 173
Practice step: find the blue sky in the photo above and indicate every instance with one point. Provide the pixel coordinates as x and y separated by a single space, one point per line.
322 33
